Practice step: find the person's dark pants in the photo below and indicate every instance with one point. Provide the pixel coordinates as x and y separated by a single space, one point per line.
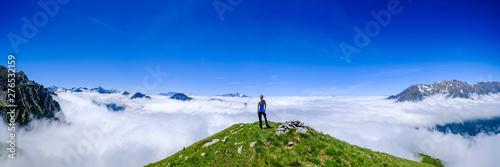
260 119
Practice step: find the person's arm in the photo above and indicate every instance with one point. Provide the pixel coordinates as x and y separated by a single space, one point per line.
258 105
265 106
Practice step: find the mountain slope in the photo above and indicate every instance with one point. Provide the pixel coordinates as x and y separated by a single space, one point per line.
181 96
247 145
32 99
451 88
140 95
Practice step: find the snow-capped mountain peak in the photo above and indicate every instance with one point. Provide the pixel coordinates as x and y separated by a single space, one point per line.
237 94
453 88
83 89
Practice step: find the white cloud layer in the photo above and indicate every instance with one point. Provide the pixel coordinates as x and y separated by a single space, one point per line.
149 130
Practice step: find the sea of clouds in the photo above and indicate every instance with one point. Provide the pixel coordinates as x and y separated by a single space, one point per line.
149 130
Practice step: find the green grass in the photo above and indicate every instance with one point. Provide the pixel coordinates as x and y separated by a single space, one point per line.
310 149
429 160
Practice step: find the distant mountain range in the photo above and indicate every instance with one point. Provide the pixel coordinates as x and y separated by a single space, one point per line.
83 89
168 94
101 90
471 127
452 89
233 95
173 93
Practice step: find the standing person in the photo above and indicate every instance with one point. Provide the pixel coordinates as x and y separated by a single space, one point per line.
261 110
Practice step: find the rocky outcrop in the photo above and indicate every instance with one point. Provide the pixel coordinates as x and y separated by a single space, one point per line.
212 142
32 99
295 124
239 149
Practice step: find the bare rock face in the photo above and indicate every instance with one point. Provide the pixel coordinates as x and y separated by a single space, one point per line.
295 124
33 101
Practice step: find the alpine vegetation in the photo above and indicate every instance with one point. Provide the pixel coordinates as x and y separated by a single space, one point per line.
253 146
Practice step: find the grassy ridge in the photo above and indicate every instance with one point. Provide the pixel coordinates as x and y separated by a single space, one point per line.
429 160
310 149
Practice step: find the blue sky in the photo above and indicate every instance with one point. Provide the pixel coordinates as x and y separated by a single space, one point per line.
257 47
